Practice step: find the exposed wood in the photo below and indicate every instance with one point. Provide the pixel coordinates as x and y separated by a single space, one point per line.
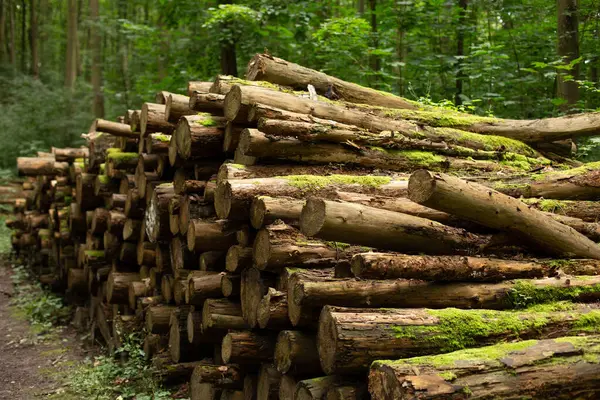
272 311
222 314
296 353
34 166
152 119
246 347
268 383
207 102
114 128
176 106
206 235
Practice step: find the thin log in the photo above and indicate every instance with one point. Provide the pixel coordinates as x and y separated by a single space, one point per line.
246 347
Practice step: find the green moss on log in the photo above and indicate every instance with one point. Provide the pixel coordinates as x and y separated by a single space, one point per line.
161 137
485 142
103 179
524 293
94 253
122 157
314 182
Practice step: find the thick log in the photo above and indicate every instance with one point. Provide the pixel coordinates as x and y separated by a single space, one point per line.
233 198
114 128
350 339
157 143
100 221
296 353
98 144
70 154
157 214
138 289
272 311
152 119
254 285
134 206
222 314
221 376
207 235
317 388
176 106
179 346
265 210
522 369
245 347
207 102
199 136
193 207
35 166
496 210
231 137
458 268
198 86
170 373
231 285
307 291
203 285
268 383
256 144
181 257
361 225
158 318
238 258
585 210
117 288
276 70
131 229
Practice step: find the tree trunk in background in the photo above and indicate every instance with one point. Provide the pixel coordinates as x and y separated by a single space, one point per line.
95 44
568 50
361 7
13 40
43 24
460 49
33 39
228 60
23 34
3 43
71 67
401 51
375 62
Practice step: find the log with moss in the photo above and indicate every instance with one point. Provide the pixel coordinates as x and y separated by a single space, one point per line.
463 268
565 367
152 119
479 204
157 143
579 183
199 136
193 207
308 292
350 339
233 198
587 211
256 144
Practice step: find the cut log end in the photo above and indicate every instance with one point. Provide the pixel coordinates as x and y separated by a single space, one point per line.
257 212
226 347
326 344
313 216
421 185
232 103
223 200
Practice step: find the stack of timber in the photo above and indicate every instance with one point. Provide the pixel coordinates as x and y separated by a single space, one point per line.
295 236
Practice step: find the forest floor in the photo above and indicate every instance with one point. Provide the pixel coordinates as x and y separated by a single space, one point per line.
33 364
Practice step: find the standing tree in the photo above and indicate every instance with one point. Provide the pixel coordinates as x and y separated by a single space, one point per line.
71 67
23 34
95 44
3 43
375 61
568 50
33 39
13 36
460 49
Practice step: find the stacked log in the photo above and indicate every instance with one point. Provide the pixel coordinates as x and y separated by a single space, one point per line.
271 243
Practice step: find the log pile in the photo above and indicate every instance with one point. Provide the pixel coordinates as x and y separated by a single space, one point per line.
296 236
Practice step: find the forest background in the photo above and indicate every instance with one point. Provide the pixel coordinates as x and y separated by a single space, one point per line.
62 62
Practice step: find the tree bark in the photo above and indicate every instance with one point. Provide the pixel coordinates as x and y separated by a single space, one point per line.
34 166
272 311
265 210
70 154
114 128
158 318
254 285
522 369
317 388
498 211
157 214
207 235
221 315
231 285
176 107
275 70
296 354
117 288
207 102
568 51
199 136
194 207
350 339
221 376
585 210
203 285
152 119
198 86
246 347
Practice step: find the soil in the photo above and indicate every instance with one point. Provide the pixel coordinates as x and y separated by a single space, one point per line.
32 365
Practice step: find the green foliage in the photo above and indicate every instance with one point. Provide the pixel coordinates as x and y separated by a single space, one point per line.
229 23
42 309
107 378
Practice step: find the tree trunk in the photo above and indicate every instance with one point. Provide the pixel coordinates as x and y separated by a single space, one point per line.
34 166
568 51
198 86
245 347
203 285
522 369
264 67
272 311
199 136
176 107
296 354
495 210
33 39
458 268
233 198
71 62
96 49
350 339
221 376
221 315
152 119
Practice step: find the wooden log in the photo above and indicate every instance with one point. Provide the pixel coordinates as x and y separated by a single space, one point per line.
131 229
152 119
206 102
177 106
193 207
276 70
114 128
306 291
528 368
157 143
233 198
350 339
207 235
77 281
231 285
246 347
222 314
585 210
70 154
265 210
212 261
203 285
117 288
272 311
138 289
154 344
199 136
356 391
268 383
296 354
128 254
452 268
158 318
221 376
198 86
238 258
100 221
317 388
361 225
35 166
496 210
133 205
157 214
146 253
254 285
179 346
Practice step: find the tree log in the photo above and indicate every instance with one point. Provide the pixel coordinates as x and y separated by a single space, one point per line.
35 166
203 285
176 106
207 102
272 311
152 119
114 128
245 347
70 154
222 314
193 207
268 383
231 285
265 210
238 258
350 339
158 318
157 214
317 388
296 353
212 261
221 376
117 288
585 210
254 286
207 235
199 136
522 369
276 70
496 210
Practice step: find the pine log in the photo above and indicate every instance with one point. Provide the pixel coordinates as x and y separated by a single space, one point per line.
231 285
203 285
221 376
296 353
176 106
117 289
114 128
222 314
231 137
585 210
146 253
254 285
134 207
193 207
268 383
317 388
496 210
272 311
459 268
246 347
265 210
198 86
98 143
157 143
152 119
179 346
207 235
276 70
233 198
256 144
158 318
350 339
207 102
170 373
157 214
238 258
521 369
180 256
70 154
35 166
356 391
304 291
361 225
138 289
100 221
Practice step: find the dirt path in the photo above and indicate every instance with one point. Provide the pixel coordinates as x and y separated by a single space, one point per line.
31 367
